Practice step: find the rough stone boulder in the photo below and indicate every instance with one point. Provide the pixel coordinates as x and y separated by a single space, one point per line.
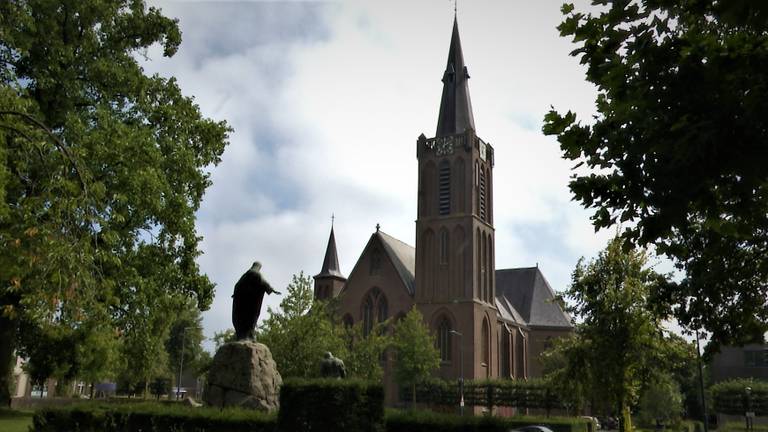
243 374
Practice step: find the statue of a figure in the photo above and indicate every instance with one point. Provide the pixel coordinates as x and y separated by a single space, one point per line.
246 301
332 367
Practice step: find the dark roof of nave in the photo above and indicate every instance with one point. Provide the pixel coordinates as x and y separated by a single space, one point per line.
403 257
529 293
331 261
507 311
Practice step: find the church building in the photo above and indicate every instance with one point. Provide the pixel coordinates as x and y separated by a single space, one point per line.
493 322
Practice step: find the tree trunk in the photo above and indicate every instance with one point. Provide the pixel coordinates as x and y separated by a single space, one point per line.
413 398
7 357
626 417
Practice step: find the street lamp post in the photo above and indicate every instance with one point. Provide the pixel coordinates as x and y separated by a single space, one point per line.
701 384
749 413
181 360
461 367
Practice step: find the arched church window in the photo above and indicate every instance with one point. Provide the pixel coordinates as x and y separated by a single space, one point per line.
444 339
381 307
479 265
375 310
367 315
444 188
444 246
485 335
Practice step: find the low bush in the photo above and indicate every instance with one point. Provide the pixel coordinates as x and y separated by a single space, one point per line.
312 407
419 421
731 397
741 427
150 417
533 394
331 405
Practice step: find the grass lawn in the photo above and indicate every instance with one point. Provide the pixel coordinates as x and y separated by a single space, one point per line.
15 421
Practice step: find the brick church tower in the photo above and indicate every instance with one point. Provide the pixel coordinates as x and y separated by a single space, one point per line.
455 266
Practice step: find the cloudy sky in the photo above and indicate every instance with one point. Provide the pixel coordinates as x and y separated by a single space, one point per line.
326 100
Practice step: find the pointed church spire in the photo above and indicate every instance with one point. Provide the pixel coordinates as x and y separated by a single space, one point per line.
331 261
455 105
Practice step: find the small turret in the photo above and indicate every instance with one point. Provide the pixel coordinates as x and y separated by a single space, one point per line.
330 281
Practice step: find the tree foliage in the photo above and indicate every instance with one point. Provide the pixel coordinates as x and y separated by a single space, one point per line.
417 355
661 402
619 344
223 337
678 148
101 171
186 335
364 353
300 332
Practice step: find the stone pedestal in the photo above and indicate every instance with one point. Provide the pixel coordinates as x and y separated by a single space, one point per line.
243 374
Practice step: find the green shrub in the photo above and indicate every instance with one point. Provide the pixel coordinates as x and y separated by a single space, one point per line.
534 394
420 421
322 405
730 397
148 417
741 427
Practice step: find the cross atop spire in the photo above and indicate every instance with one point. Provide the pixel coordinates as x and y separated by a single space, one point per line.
455 106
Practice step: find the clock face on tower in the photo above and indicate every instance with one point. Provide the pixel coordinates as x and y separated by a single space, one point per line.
444 146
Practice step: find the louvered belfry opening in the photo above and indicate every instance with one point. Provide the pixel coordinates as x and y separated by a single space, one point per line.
444 188
482 194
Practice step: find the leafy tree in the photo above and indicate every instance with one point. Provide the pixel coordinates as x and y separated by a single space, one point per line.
619 343
187 330
226 336
363 355
417 356
678 148
98 353
300 332
101 172
160 386
661 402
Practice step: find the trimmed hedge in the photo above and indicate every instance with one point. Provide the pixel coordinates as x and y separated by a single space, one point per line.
730 397
331 405
419 421
149 417
741 427
533 394
329 411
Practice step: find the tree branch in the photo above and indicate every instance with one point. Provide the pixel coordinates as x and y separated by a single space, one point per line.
59 143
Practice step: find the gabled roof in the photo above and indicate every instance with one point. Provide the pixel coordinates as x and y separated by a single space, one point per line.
331 261
529 293
455 106
507 312
403 257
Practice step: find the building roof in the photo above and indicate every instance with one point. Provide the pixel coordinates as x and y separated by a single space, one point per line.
331 261
528 292
455 106
523 295
403 257
508 312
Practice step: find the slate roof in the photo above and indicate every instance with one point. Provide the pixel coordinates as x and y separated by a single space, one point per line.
528 292
403 257
331 261
455 106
